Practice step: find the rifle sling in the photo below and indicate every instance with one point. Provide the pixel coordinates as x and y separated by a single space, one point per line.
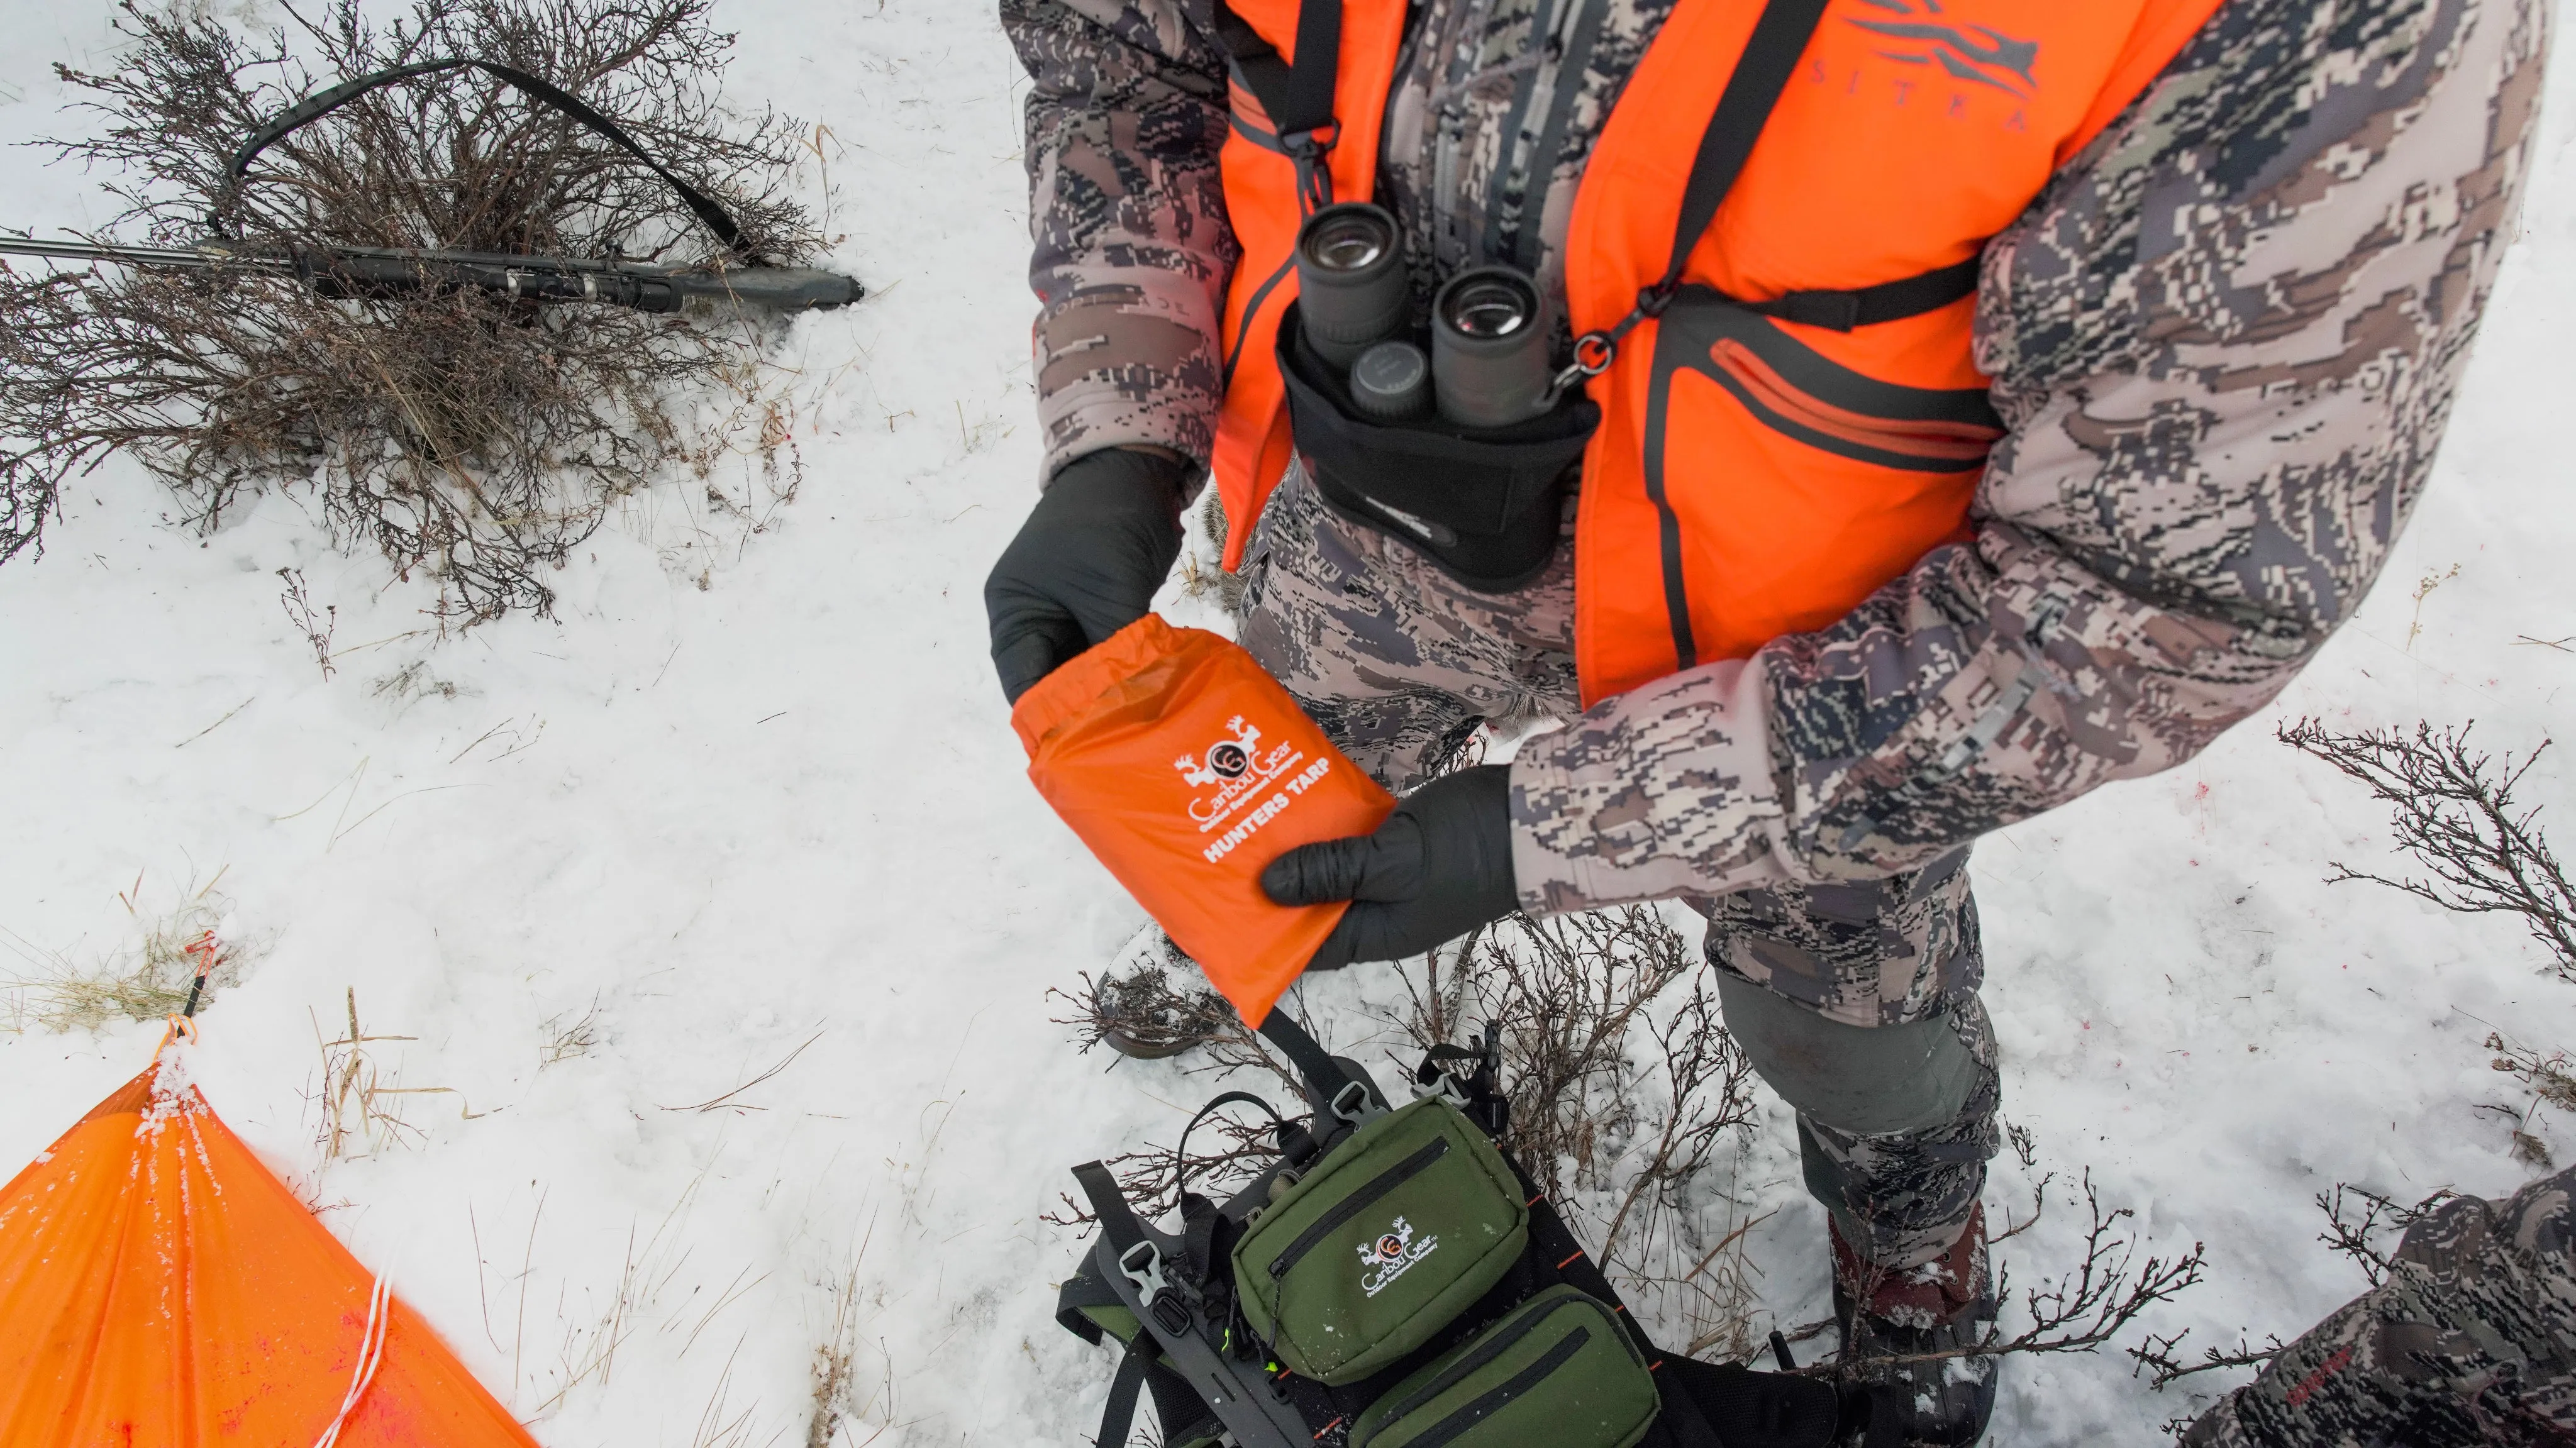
321 103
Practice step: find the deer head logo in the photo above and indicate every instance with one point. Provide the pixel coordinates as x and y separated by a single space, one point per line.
1228 758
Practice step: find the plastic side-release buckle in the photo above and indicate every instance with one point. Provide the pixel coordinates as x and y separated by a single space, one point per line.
1148 1274
1354 1104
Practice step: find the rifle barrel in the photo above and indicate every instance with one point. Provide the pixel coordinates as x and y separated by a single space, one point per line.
381 271
204 255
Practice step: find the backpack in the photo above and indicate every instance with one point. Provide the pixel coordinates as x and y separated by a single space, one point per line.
1396 1280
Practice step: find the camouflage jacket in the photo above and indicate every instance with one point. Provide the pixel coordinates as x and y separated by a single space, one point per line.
2225 341
2467 1341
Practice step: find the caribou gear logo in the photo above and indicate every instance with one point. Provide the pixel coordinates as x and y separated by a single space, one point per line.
1391 1255
1226 759
1244 784
1977 54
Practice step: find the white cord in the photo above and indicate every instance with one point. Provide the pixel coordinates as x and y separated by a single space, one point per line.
371 1351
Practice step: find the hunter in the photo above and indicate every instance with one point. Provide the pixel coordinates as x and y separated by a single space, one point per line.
1986 400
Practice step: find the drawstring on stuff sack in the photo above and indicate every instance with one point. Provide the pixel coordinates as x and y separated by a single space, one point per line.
371 1351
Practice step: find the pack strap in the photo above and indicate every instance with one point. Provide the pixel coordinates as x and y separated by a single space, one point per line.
1770 58
1118 1220
1181 1152
1119 1413
1752 92
1333 1085
323 102
1840 311
1297 97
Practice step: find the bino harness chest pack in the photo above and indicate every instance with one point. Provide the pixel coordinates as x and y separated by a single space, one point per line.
1396 1280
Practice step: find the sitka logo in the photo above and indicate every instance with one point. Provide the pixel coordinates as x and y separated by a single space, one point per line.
1977 54
1226 759
1391 1256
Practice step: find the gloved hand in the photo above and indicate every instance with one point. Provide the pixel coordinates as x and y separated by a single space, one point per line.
1085 564
1439 867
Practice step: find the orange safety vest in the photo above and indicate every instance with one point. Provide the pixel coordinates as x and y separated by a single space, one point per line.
1791 416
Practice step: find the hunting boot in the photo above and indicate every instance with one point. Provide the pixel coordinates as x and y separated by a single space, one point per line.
1903 1329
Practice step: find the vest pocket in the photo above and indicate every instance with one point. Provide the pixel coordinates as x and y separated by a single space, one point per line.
1795 390
1485 504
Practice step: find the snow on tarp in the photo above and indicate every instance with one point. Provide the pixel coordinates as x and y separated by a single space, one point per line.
159 1286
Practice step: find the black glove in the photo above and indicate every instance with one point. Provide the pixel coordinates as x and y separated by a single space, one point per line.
1085 564
1439 867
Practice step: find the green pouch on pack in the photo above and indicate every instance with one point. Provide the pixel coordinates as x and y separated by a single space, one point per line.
1558 1369
1382 1244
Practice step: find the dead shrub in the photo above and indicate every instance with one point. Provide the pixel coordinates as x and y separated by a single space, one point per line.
1619 1106
2454 811
467 438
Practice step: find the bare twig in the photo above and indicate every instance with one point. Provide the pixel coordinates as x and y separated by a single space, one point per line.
2352 1227
2084 1308
2157 1357
2455 813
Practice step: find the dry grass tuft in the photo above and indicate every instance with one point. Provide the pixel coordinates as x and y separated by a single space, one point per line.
362 1112
143 981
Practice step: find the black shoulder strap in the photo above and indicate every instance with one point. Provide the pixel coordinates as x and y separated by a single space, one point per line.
1331 1082
1762 72
321 103
1119 1414
1770 57
1117 1219
1298 98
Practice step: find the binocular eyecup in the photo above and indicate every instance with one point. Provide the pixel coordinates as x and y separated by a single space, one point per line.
1488 361
1352 289
1489 348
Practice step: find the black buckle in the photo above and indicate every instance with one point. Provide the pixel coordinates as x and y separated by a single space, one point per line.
1309 148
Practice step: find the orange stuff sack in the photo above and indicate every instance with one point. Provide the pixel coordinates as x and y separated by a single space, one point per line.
159 1288
1186 769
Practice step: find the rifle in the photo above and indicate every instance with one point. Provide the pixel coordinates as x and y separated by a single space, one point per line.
744 278
377 272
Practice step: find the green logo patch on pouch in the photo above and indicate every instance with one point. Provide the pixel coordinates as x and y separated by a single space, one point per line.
1383 1243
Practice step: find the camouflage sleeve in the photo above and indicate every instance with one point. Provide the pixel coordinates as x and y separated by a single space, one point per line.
1125 117
2225 342
2467 1341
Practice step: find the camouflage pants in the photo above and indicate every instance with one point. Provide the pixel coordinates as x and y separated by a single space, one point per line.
2470 1340
1889 1059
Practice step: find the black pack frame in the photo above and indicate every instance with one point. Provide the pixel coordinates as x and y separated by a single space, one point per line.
1210 1377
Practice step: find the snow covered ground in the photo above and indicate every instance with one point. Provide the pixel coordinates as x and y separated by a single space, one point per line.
753 800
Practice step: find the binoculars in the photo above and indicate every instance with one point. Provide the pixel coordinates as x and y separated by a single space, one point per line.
1487 365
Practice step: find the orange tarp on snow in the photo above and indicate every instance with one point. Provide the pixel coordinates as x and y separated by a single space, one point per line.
160 1289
